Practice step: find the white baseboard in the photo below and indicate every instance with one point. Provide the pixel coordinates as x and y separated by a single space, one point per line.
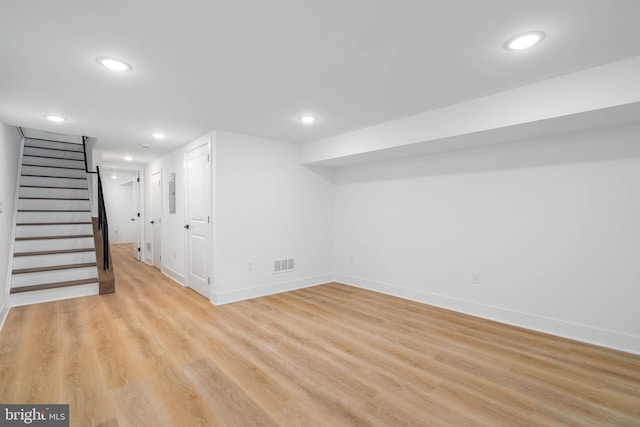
588 334
46 295
4 313
219 298
174 275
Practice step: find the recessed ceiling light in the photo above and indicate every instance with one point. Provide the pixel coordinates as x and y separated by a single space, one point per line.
307 118
524 41
128 158
114 177
158 135
54 118
113 64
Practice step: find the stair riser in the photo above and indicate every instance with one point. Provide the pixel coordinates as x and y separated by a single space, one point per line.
54 192
53 230
53 144
27 217
45 295
50 260
52 244
53 182
29 279
62 163
53 204
30 151
36 170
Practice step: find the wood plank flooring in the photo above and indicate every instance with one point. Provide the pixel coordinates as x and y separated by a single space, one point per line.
156 354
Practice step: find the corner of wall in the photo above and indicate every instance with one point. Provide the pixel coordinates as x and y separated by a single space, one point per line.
11 148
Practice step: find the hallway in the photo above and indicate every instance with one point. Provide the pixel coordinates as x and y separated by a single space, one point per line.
155 353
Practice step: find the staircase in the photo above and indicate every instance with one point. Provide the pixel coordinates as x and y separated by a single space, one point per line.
54 254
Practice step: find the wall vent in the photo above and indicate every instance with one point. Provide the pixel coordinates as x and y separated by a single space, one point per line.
283 265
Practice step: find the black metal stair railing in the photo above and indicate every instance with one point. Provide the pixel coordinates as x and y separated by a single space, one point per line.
103 224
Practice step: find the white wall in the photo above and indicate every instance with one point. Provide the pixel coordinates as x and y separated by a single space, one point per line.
269 207
118 199
266 206
551 225
10 143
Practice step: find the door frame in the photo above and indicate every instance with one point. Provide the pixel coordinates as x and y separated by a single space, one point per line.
142 203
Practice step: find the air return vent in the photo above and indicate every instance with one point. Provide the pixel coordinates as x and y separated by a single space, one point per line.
283 265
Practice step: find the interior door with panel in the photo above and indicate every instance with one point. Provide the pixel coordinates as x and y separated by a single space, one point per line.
135 213
156 219
198 192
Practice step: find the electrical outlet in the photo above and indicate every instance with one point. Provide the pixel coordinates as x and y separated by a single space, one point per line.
250 266
475 278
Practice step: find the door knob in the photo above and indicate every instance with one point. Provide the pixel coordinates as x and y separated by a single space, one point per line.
152 222
186 226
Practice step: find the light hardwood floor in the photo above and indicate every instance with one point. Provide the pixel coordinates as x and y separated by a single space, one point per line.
157 354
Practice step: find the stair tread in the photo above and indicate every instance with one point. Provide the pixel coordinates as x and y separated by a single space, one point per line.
67 236
56 223
53 268
54 198
54 176
52 157
50 187
29 138
55 252
54 210
53 285
54 149
55 167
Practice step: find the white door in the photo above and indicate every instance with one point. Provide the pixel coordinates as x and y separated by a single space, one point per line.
135 214
156 219
198 184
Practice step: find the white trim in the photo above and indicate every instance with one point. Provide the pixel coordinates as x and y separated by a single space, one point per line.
562 328
55 294
4 313
122 242
219 298
173 275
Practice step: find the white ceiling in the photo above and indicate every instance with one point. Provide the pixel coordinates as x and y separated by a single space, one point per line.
253 66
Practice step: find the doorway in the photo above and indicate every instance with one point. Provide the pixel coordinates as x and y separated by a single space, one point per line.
156 220
198 230
135 213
